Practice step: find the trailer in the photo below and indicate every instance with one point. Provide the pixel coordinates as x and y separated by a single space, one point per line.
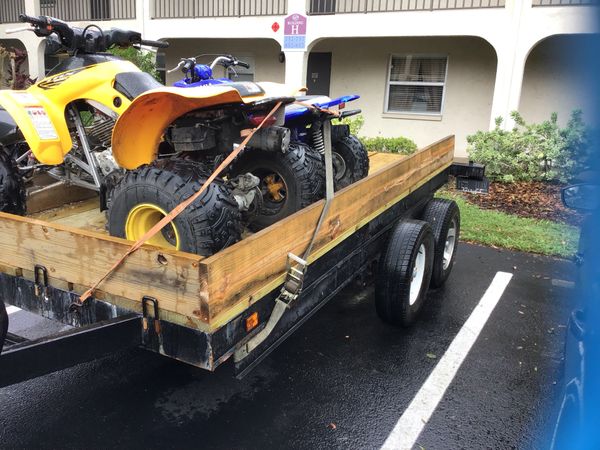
205 311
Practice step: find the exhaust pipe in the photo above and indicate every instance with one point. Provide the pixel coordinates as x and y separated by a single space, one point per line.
273 139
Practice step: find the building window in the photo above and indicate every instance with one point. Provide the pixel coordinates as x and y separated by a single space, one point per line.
416 84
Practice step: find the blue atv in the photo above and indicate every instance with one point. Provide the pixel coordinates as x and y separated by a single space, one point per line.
304 120
289 175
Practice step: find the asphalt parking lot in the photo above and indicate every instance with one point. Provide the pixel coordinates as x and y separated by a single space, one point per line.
343 380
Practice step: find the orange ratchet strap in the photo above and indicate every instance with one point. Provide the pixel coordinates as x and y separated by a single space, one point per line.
178 209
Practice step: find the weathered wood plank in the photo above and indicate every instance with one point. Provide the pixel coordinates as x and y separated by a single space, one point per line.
66 210
380 160
239 275
91 220
52 197
126 303
81 257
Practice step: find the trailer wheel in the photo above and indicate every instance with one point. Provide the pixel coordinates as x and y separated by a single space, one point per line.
350 161
444 217
288 181
404 273
3 324
145 195
12 189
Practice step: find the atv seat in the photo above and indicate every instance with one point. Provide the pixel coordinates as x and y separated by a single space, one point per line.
132 84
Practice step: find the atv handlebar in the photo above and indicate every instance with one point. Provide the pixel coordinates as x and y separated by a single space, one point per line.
187 64
37 21
157 44
91 39
228 61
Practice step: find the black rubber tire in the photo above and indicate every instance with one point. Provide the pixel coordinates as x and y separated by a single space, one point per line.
355 159
301 170
3 324
392 287
207 226
12 189
440 214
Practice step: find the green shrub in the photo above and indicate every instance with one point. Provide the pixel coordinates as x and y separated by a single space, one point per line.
533 152
380 144
141 58
355 123
390 145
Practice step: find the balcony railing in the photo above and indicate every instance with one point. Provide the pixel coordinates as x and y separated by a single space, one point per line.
10 10
565 2
81 10
178 9
369 6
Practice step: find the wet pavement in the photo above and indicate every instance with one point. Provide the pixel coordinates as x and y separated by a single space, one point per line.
341 381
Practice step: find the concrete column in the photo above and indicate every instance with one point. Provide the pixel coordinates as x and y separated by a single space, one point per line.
34 45
295 68
297 6
295 61
511 51
32 7
507 88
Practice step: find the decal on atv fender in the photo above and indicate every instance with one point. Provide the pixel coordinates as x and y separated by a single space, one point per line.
41 122
56 80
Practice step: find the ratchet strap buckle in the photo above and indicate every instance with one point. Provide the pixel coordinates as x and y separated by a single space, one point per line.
294 279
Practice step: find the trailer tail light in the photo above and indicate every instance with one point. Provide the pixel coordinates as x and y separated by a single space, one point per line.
256 120
251 322
342 105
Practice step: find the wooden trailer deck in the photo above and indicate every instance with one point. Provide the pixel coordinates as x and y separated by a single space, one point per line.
203 293
86 215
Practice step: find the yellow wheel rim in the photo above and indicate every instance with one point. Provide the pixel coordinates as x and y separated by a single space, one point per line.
275 187
142 218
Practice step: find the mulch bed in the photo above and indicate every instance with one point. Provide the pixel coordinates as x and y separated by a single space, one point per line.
532 199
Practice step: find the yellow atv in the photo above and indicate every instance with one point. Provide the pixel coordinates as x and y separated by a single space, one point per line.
62 125
99 122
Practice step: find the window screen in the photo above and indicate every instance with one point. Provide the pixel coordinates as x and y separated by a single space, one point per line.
416 84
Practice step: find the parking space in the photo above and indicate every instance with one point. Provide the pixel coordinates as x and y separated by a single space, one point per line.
343 380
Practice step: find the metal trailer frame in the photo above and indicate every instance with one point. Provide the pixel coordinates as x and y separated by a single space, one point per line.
105 328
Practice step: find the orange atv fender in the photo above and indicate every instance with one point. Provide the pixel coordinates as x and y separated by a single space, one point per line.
139 130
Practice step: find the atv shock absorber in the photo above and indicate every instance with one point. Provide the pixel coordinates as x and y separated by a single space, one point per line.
316 134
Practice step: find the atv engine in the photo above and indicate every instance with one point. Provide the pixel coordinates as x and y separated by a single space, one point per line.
99 134
216 132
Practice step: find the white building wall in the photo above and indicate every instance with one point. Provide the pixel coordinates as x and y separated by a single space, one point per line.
556 79
359 66
512 31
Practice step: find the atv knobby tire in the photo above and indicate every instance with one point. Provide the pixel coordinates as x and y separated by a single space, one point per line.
208 225
288 181
12 189
350 161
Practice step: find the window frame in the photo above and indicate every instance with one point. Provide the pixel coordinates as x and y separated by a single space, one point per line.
390 83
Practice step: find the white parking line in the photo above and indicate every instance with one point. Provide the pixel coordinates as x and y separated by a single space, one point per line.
411 423
12 309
